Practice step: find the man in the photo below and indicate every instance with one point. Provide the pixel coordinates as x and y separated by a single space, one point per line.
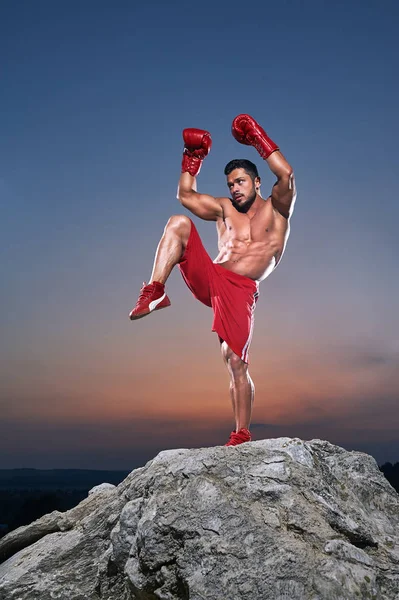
252 234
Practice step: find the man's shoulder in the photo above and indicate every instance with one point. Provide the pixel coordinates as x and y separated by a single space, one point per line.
225 203
223 200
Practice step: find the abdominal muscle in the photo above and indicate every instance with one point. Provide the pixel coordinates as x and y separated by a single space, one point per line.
255 260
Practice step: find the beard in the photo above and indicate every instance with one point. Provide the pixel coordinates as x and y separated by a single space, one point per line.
244 208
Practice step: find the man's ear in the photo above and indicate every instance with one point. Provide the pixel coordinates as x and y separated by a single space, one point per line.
257 183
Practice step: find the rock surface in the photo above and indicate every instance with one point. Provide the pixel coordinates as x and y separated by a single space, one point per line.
101 488
277 519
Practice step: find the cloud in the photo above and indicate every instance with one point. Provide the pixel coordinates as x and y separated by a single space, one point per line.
352 350
364 358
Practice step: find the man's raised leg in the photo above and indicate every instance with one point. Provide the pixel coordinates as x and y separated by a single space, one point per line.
169 252
242 393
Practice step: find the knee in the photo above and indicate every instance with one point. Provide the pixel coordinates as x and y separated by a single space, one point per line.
237 367
226 352
179 223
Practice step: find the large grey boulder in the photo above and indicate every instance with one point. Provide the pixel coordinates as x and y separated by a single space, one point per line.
278 519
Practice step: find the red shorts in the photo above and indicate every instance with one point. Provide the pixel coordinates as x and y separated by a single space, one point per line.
233 297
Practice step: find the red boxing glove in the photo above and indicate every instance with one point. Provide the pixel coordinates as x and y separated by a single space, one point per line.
197 144
247 131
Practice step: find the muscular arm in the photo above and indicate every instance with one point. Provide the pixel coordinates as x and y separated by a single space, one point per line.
202 205
247 131
283 194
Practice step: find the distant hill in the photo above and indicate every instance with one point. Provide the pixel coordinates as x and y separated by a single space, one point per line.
27 494
62 479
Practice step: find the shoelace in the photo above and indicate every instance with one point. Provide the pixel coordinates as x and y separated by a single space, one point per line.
237 436
145 292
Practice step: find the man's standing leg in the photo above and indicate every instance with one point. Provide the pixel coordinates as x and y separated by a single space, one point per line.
169 252
242 393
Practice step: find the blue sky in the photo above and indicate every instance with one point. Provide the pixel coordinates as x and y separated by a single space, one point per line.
94 98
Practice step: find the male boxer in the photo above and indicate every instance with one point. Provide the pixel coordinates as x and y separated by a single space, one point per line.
252 234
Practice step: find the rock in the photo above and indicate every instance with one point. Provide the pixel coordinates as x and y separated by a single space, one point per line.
277 519
103 487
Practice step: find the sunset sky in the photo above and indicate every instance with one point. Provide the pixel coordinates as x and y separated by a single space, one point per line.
94 97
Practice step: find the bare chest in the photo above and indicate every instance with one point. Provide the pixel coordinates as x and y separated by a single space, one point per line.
240 229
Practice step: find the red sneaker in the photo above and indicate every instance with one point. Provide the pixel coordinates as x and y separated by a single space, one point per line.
152 297
239 437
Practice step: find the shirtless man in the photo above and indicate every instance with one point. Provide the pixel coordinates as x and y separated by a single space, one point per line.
252 234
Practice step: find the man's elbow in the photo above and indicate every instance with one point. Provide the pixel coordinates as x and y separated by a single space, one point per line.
184 196
287 176
181 196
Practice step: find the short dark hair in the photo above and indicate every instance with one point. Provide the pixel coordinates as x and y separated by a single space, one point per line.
242 163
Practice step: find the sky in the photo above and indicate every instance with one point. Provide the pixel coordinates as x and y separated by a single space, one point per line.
94 98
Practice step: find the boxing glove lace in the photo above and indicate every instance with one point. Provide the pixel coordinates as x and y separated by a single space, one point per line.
197 144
